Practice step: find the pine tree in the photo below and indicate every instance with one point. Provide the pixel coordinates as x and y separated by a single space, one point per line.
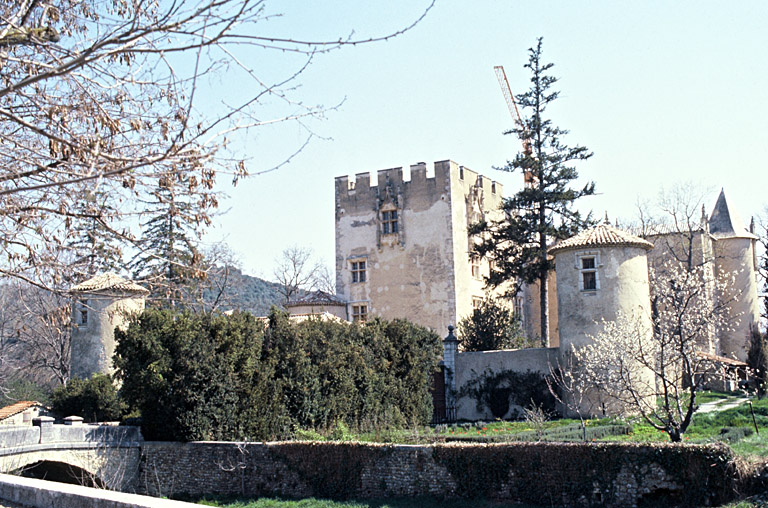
169 260
543 211
94 244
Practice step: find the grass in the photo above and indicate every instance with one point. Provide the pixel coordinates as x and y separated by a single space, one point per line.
733 426
419 502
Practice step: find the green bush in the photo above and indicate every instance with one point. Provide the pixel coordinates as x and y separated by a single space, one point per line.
198 377
94 399
733 434
214 377
491 326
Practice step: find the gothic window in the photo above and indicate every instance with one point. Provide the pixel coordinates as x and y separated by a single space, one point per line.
358 271
588 269
389 222
360 313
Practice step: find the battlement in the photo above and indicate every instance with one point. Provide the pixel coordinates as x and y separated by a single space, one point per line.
444 172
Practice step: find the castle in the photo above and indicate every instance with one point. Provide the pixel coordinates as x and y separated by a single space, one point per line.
402 250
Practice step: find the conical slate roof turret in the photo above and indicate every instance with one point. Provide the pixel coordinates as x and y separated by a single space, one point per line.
726 222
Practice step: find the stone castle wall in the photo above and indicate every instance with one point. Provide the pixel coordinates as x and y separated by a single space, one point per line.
547 474
472 365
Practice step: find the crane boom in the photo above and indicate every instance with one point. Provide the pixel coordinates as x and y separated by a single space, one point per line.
512 105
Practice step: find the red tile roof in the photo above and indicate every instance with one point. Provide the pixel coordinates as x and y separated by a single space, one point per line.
17 408
600 236
107 281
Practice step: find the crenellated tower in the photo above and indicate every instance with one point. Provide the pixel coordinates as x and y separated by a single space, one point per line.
402 246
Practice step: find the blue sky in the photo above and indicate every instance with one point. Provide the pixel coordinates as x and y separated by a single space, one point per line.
661 92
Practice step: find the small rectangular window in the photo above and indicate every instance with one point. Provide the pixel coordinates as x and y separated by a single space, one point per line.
83 311
590 281
475 262
389 222
360 313
358 271
588 273
477 302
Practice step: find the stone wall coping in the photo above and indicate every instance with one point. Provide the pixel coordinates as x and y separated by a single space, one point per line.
45 494
28 448
16 437
492 351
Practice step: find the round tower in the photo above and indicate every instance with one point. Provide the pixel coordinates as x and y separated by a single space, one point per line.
99 306
602 273
736 264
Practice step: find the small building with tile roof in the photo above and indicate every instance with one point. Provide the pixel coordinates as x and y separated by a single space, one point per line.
22 412
101 304
318 303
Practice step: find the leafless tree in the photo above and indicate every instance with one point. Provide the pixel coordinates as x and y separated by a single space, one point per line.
44 332
674 222
654 369
325 280
296 270
103 98
8 340
36 332
575 394
217 292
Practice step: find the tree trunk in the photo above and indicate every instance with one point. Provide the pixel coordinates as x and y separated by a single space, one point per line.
544 305
543 278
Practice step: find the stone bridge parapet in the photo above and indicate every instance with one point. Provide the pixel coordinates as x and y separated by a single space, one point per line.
103 455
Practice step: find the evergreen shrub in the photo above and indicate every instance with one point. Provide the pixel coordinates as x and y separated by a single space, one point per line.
216 377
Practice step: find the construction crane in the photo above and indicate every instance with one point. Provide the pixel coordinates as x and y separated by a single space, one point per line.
528 177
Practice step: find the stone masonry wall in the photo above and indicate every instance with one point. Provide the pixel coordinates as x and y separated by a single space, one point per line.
548 474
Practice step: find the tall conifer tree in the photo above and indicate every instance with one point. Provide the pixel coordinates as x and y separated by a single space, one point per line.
169 261
543 211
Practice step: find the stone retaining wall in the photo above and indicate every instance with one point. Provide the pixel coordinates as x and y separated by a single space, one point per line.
548 474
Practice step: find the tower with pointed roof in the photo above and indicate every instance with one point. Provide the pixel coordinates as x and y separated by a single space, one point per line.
99 306
735 260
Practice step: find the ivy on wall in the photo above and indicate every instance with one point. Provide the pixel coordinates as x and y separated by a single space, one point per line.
497 391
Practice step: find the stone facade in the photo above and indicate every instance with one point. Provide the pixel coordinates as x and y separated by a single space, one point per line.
402 248
725 248
563 474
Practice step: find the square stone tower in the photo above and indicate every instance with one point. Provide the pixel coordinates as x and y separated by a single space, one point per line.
402 247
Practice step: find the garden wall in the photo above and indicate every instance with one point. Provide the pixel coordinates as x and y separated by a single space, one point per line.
547 474
475 364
